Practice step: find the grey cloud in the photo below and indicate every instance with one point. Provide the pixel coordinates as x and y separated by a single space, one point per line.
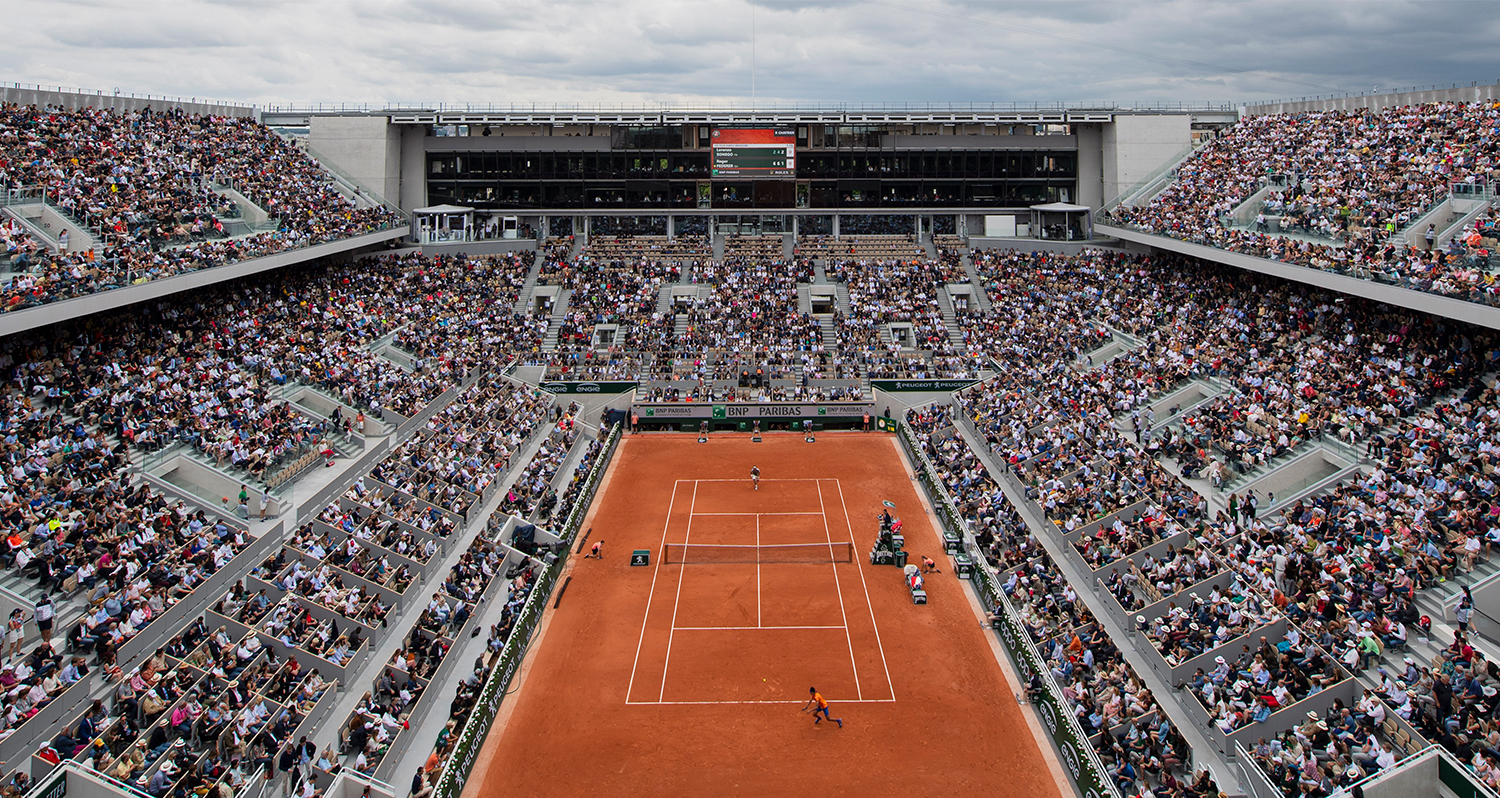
698 51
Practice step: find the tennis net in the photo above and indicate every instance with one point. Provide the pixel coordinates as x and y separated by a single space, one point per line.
708 553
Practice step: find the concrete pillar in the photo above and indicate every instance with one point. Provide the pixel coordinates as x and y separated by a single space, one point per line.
671 228
794 227
835 225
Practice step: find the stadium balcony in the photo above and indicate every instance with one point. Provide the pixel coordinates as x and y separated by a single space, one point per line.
1344 201
127 216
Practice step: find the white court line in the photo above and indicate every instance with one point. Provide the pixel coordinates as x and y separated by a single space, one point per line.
687 537
654 572
791 702
757 514
743 628
836 586
868 603
757 570
762 479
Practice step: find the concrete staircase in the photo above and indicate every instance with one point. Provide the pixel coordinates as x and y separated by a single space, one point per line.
523 300
680 326
950 317
46 222
719 248
554 322
664 300
841 297
804 298
820 277
981 297
830 333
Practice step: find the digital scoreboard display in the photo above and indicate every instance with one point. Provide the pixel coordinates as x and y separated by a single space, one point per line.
754 152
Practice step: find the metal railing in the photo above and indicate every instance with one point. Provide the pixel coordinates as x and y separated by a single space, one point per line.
757 108
1372 93
126 94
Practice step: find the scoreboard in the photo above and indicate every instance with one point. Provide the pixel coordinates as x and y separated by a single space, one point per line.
754 152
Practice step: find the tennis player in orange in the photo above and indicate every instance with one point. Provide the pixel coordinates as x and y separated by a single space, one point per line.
820 711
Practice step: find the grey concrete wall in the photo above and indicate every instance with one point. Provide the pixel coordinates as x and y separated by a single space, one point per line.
1413 778
513 143
1090 137
904 142
253 214
73 99
1136 146
1415 96
1038 245
366 148
491 247
413 192
1421 301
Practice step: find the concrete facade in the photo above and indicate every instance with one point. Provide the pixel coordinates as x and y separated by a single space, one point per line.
72 100
1090 137
365 148
413 170
1134 146
1460 94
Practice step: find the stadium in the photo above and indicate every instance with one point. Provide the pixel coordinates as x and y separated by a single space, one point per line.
447 450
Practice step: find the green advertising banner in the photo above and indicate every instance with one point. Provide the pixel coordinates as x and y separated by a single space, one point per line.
909 386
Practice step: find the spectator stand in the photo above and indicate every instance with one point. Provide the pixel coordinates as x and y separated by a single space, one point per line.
1397 735
315 630
209 708
383 734
136 233
500 408
1080 758
327 611
392 570
82 626
461 747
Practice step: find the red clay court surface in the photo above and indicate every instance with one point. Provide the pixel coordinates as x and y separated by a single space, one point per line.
687 679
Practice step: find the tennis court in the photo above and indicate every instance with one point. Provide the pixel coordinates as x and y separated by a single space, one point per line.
685 677
744 577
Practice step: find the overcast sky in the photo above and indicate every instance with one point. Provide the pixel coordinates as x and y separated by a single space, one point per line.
652 52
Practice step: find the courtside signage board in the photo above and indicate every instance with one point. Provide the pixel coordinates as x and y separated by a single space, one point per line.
587 387
909 386
749 410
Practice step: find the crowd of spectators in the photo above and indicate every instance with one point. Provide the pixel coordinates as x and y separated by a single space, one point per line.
1360 176
150 187
1127 728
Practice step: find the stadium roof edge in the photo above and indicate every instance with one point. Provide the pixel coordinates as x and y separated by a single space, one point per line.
975 114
